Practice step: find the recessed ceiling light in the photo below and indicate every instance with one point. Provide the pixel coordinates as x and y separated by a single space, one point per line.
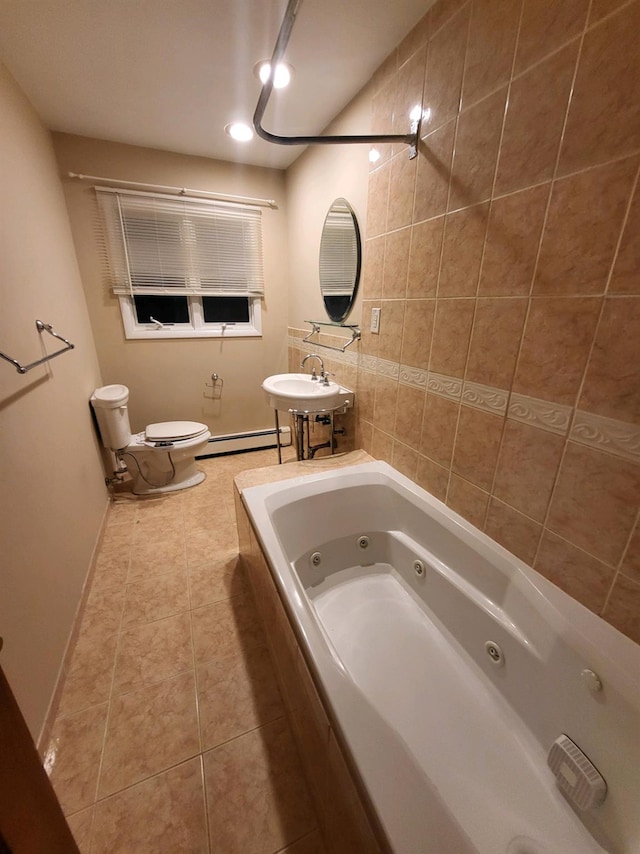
283 73
239 131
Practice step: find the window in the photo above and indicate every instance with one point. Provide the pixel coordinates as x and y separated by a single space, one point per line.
183 268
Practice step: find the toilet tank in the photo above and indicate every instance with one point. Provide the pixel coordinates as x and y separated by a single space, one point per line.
110 405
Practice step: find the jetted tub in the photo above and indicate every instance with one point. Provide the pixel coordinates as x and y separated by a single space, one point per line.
450 667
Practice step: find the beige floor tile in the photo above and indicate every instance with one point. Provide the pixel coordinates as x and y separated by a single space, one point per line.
158 527
88 681
149 599
157 556
163 814
236 696
153 652
256 796
80 824
216 580
103 612
150 730
206 519
112 567
73 757
205 546
118 535
223 630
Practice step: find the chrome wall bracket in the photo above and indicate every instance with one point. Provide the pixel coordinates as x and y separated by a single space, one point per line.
411 139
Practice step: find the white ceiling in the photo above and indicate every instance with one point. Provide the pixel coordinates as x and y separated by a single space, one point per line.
170 74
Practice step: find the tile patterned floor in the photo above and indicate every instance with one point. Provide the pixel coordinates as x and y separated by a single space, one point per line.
171 734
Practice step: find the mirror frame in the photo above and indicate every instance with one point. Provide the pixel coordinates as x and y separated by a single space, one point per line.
339 312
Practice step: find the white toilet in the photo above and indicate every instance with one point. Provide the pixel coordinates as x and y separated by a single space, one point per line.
162 457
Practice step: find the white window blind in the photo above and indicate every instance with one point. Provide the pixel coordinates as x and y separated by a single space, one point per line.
168 245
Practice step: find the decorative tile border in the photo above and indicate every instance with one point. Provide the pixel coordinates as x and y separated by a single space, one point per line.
388 369
554 417
415 377
444 386
485 397
596 431
606 434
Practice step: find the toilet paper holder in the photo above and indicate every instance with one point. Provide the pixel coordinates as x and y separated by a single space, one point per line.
216 386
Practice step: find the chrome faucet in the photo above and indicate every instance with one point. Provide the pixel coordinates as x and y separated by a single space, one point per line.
313 370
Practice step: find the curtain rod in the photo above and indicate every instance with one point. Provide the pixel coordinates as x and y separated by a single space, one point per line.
180 191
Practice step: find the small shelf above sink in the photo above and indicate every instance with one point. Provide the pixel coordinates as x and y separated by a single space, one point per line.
299 393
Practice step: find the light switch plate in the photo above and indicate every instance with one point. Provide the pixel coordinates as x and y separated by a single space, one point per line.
375 320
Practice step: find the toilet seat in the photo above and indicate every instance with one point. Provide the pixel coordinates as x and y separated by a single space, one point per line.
174 431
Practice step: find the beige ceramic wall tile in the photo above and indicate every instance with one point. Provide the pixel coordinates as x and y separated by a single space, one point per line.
603 117
492 42
417 332
545 26
631 563
477 444
557 339
527 468
464 236
517 533
441 12
382 446
612 382
495 341
408 426
163 814
535 117
513 237
377 206
402 182
583 226
476 152
432 477
424 258
580 575
410 81
404 459
310 844
445 66
150 729
372 268
415 39
468 500
609 489
392 314
623 608
439 424
434 172
451 334
396 264
626 271
386 401
72 760
257 777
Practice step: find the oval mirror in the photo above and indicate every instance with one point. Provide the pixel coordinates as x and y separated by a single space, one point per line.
340 260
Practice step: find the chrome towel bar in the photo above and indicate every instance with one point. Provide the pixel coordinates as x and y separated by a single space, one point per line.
41 327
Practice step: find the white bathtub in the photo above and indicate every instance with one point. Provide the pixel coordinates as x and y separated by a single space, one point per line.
451 747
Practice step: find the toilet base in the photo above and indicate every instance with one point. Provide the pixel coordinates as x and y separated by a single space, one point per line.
142 488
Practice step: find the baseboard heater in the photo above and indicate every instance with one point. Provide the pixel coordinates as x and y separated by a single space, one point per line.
235 443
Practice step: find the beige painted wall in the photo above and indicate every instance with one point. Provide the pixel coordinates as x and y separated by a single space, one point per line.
166 379
320 175
52 495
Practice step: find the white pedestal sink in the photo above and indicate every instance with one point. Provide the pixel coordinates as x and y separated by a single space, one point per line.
298 392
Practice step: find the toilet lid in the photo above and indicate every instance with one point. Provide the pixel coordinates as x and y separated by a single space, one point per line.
173 431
